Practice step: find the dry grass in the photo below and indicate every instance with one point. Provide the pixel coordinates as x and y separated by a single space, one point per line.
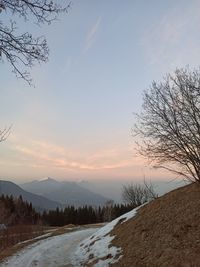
166 232
19 233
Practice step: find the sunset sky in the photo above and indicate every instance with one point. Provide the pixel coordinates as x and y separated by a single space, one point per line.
76 122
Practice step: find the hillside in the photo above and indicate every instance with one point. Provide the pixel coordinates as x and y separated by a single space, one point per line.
66 193
164 232
38 202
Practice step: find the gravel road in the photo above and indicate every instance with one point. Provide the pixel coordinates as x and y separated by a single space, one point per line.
52 252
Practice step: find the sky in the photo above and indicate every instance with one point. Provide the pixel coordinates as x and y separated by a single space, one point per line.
75 122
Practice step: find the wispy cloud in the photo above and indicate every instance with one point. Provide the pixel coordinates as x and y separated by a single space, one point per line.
91 35
36 158
37 153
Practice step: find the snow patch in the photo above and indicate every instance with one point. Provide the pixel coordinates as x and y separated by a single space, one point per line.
98 249
50 252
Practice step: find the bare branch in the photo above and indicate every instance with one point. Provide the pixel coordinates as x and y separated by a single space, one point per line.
22 51
136 194
169 125
5 133
150 189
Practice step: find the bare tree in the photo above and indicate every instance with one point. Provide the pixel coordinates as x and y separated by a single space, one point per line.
23 50
136 194
169 124
152 194
108 208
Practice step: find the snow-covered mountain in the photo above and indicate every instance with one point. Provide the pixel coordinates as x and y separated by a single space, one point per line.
67 193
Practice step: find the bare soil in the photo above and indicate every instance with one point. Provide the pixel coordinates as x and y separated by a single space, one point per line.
165 232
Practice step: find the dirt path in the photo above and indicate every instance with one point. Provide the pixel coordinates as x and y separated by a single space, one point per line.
52 252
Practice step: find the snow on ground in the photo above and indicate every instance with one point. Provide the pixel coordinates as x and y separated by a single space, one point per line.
53 251
98 249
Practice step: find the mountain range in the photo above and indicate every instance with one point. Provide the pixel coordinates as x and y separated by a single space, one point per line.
50 194
39 202
67 193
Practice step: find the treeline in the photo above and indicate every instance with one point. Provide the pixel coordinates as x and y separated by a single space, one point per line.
16 211
84 215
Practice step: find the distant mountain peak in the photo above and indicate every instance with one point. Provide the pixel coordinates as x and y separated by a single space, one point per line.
38 201
66 193
48 179
51 179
